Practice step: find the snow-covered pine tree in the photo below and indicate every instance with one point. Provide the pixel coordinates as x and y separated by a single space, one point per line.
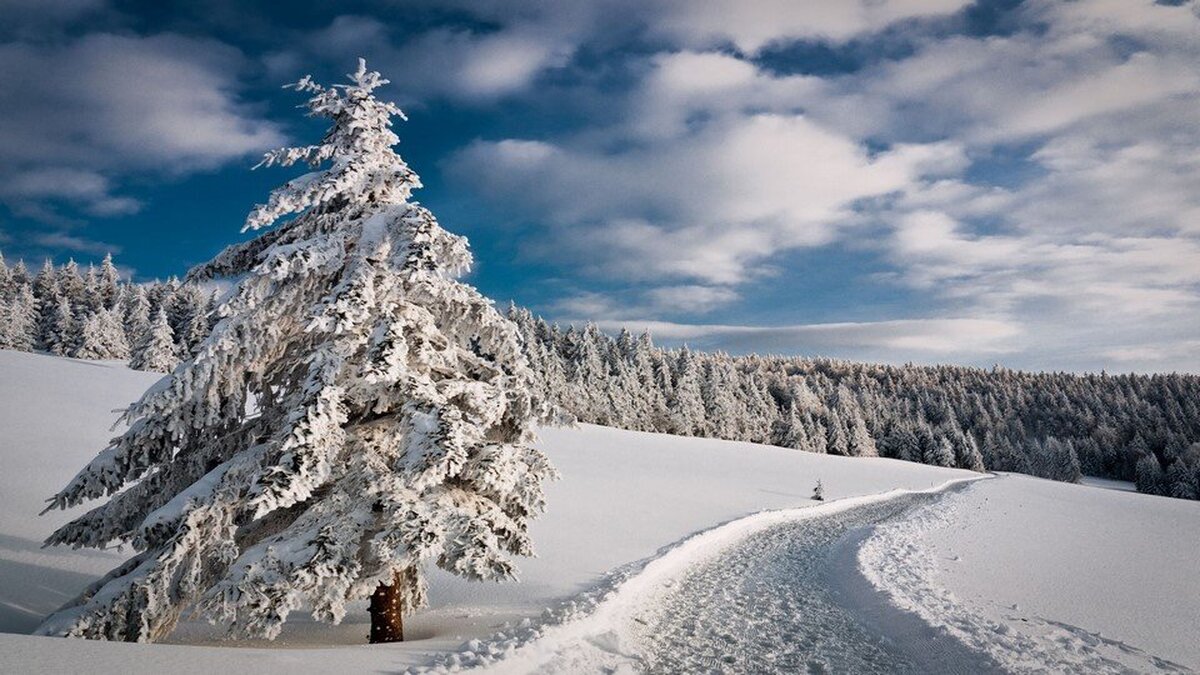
1150 476
156 351
108 282
19 320
6 285
102 337
45 289
93 295
686 405
136 308
70 283
193 306
64 336
19 274
391 421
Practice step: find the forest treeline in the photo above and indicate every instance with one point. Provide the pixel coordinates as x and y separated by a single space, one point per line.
95 314
1141 428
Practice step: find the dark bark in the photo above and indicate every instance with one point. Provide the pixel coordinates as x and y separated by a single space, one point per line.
387 611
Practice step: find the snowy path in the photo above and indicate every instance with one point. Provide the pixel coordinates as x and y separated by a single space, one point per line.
789 599
777 591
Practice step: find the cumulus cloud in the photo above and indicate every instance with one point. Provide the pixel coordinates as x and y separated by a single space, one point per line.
459 63
110 105
1047 178
752 26
709 202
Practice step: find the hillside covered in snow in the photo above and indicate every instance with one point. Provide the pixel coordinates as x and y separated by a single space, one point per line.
621 525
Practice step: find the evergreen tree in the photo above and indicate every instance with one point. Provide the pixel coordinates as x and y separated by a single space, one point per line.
19 274
1181 481
108 282
102 337
156 351
71 284
136 308
6 282
687 403
392 425
19 320
940 452
65 337
45 289
1150 477
93 296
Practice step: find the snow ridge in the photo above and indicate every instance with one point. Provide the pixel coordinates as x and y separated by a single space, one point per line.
896 561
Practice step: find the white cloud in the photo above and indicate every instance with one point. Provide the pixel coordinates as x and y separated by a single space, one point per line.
712 206
654 301
713 170
751 26
57 241
87 189
164 102
457 63
105 105
689 299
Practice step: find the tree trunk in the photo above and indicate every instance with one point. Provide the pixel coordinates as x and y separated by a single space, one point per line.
387 612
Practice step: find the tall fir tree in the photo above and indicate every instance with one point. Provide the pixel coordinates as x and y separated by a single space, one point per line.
136 309
108 282
45 289
64 338
391 430
156 351
19 320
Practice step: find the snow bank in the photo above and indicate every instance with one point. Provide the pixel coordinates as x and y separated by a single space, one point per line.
1047 575
623 497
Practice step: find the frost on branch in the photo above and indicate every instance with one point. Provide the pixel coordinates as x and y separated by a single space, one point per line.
356 413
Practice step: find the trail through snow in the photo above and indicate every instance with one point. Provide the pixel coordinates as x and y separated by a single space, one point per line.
752 595
789 599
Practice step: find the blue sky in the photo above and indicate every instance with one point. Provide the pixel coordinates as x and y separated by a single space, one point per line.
897 180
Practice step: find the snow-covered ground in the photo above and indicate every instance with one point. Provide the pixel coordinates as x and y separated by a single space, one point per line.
623 496
1040 574
633 515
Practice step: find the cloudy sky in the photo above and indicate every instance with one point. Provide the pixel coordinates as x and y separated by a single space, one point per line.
901 180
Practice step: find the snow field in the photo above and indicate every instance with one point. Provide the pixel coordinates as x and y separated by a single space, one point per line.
1046 575
623 497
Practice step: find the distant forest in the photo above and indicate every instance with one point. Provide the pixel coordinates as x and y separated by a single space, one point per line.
1140 428
66 310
